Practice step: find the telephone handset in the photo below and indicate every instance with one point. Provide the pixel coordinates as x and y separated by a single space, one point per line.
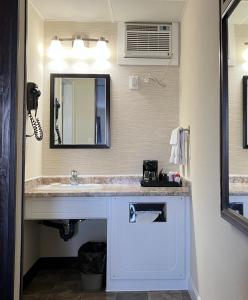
33 95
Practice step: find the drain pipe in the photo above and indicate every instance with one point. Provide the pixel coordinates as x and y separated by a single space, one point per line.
66 227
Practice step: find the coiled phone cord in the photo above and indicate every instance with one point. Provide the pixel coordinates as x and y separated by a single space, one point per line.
58 134
38 132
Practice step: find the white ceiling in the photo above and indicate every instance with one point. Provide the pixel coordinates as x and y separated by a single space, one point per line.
240 14
110 10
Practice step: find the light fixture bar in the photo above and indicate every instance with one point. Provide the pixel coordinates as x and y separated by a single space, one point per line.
83 39
79 50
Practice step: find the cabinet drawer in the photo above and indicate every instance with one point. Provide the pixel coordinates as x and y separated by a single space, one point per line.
65 208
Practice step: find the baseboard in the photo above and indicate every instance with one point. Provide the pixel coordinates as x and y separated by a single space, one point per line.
139 285
45 263
31 273
194 294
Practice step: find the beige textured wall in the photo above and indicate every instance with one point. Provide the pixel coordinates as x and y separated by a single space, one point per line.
35 72
33 147
219 256
238 156
141 121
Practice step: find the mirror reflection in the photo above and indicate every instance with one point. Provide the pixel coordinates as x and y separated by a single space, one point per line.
79 111
237 101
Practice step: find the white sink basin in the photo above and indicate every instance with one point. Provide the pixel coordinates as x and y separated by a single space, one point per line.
63 186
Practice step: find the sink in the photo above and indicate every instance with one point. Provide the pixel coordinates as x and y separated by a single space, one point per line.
80 186
64 186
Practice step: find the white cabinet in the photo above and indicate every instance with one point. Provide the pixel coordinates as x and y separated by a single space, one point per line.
44 208
243 200
140 256
147 252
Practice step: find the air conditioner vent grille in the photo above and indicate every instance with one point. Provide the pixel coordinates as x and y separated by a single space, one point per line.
143 41
141 27
148 40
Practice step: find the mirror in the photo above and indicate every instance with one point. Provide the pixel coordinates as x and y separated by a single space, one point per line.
80 111
234 154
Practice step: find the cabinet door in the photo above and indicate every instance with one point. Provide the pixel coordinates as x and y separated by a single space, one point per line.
147 251
240 204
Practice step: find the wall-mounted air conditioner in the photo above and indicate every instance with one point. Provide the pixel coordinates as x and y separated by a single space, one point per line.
148 43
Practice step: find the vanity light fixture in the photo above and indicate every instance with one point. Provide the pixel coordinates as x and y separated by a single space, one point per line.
102 50
78 48
56 50
79 51
245 57
245 53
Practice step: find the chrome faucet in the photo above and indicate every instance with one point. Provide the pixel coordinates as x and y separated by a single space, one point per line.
74 177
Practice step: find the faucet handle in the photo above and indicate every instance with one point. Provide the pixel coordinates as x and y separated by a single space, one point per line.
74 177
74 173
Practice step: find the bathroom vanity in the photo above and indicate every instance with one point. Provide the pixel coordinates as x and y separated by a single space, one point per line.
238 194
142 254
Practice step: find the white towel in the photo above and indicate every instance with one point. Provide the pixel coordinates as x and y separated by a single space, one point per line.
177 142
147 216
174 145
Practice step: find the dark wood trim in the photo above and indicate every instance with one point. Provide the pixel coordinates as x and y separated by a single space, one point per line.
228 214
86 146
108 95
8 124
46 263
245 85
24 144
235 219
95 133
225 4
224 137
52 137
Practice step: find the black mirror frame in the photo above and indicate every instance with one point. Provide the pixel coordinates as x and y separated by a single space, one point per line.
228 214
84 146
245 131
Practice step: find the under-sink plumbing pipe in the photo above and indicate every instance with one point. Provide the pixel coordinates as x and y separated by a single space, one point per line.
66 227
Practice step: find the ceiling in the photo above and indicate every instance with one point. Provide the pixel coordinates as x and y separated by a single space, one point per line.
240 14
110 10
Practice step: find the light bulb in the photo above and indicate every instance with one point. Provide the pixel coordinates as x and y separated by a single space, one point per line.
245 66
78 49
102 51
245 54
56 50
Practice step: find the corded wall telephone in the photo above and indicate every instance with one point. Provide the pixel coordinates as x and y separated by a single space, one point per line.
57 107
33 95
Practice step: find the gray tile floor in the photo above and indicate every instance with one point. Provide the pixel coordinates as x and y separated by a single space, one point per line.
65 285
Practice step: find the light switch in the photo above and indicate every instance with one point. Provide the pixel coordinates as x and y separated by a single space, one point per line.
133 82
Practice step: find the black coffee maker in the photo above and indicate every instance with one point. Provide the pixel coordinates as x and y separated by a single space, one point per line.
151 177
150 171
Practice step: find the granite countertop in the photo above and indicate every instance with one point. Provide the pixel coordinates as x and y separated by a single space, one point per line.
238 185
100 186
238 189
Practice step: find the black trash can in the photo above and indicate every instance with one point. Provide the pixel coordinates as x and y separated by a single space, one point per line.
92 264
